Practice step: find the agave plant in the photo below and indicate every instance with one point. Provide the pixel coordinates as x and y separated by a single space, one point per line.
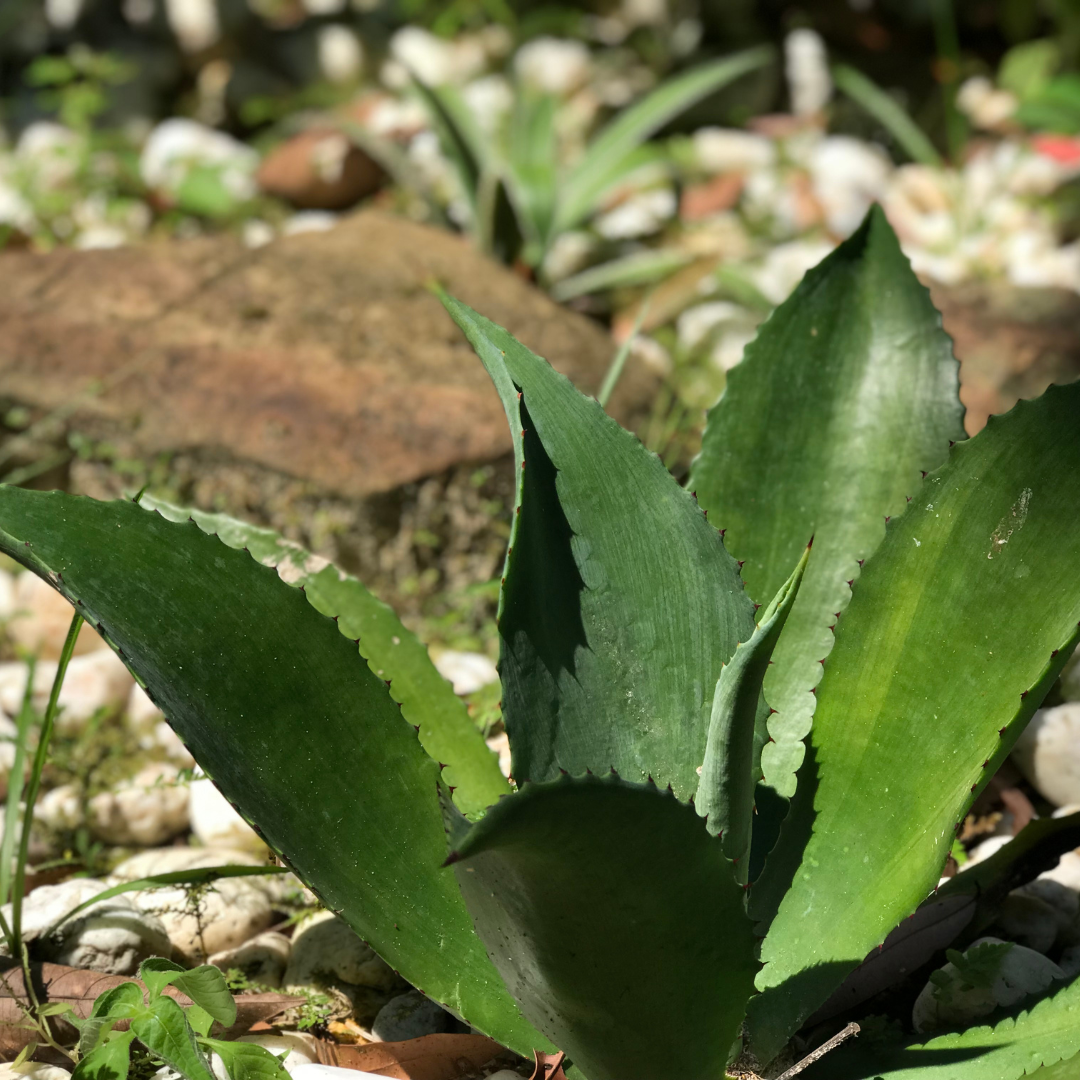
519 197
665 818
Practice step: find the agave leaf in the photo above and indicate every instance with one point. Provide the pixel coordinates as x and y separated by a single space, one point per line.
294 728
1038 1041
849 390
616 922
602 162
639 268
956 631
531 171
461 140
725 795
393 653
619 603
957 913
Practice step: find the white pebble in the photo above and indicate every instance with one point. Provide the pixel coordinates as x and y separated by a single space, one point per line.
1048 753
263 959
341 55
41 619
731 150
228 913
32 1070
1020 972
194 22
299 1048
331 1072
98 680
639 215
325 948
806 65
148 809
215 823
553 65
177 146
467 671
112 936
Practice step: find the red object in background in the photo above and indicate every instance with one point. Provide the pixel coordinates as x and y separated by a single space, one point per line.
1062 148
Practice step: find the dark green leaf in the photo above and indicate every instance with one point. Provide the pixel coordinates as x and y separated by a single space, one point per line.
725 795
284 715
849 390
200 1020
121 1001
246 1061
957 629
164 1031
109 1061
616 922
393 653
620 604
157 973
205 985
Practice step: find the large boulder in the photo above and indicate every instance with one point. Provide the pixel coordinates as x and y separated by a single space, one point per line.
324 356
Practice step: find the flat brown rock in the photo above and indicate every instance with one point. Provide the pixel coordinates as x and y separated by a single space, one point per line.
323 356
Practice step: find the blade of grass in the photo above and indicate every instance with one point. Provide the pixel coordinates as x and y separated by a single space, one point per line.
887 113
640 268
35 784
947 72
16 781
614 372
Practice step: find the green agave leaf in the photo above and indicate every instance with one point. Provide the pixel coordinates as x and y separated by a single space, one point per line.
616 922
849 390
531 171
620 604
164 1031
1037 1042
109 1061
393 653
294 728
956 631
603 161
461 141
957 913
725 795
1036 849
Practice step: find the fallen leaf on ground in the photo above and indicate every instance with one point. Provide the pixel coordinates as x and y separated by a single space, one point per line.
430 1057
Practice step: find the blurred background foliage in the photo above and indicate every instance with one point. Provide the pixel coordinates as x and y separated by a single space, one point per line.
272 47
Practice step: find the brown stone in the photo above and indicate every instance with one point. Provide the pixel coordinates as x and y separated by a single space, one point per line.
714 196
324 356
1011 342
320 169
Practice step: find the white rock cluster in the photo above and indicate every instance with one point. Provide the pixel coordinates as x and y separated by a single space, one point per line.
113 936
